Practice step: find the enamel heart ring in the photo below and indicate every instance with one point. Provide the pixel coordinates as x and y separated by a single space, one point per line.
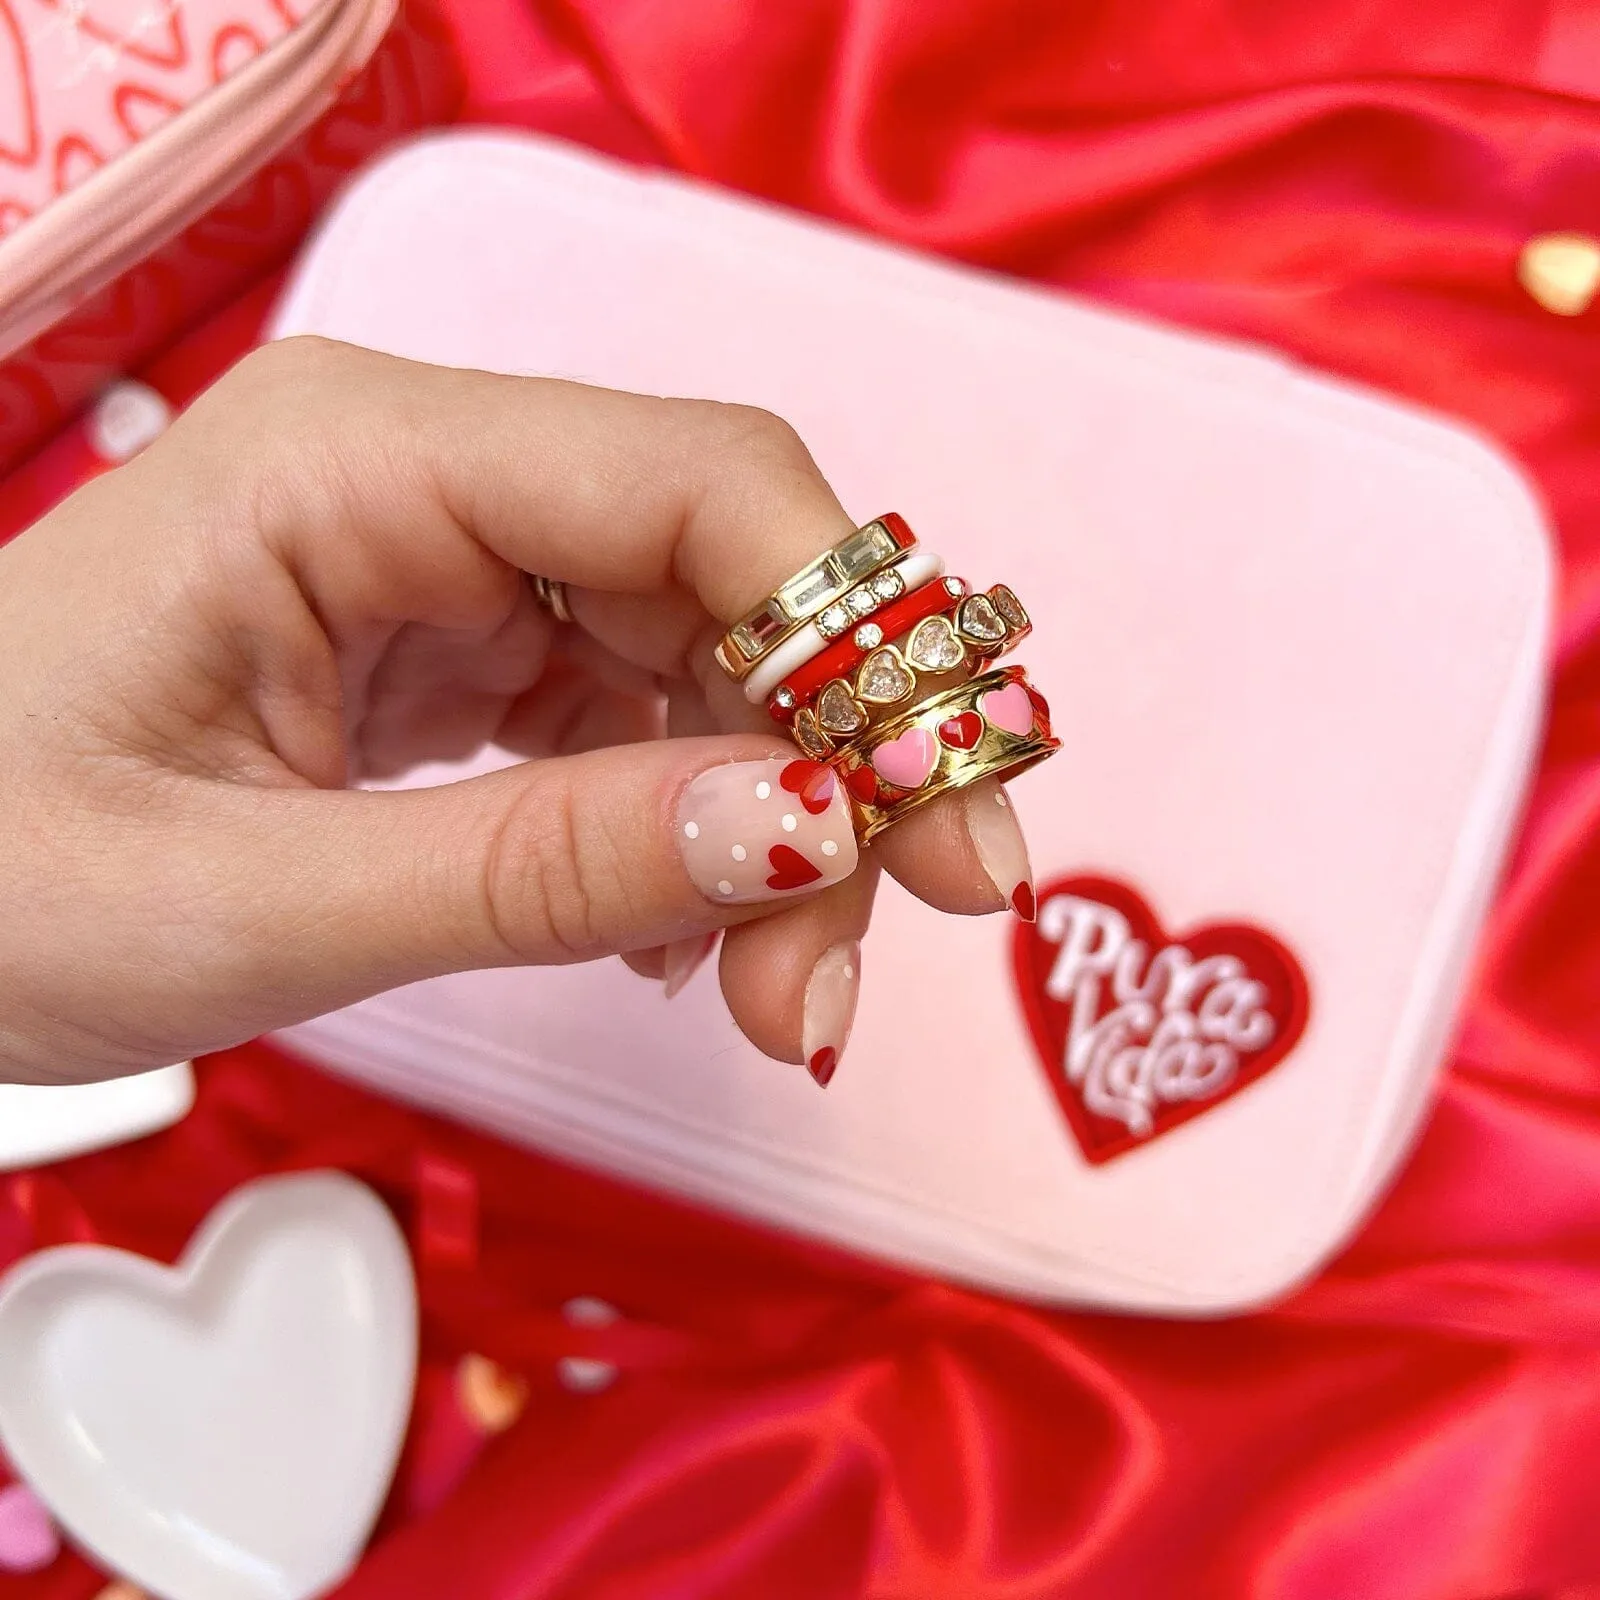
881 665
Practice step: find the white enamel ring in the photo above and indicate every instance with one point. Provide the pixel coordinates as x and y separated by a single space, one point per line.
915 568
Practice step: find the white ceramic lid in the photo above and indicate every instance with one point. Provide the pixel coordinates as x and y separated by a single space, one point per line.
40 1123
225 1430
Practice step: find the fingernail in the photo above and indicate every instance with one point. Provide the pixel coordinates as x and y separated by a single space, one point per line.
684 958
830 1008
1003 852
765 830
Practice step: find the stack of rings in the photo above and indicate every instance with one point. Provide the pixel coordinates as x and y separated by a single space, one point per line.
881 666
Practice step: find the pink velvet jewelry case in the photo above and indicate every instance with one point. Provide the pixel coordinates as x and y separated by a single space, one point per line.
1292 757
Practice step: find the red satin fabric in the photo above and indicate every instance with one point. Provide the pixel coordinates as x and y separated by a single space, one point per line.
1351 181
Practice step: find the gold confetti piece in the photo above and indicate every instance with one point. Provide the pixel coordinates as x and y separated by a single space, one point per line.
490 1396
1561 271
121 1590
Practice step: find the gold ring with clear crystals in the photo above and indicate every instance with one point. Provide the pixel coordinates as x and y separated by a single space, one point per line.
830 578
973 631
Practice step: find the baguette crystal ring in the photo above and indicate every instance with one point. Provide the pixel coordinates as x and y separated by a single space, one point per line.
812 590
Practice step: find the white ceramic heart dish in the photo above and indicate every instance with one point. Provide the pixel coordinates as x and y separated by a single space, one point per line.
42 1123
225 1429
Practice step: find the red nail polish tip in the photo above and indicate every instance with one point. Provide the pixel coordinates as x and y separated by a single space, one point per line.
1023 903
823 1064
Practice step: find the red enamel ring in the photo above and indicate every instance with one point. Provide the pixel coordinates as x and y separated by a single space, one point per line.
843 656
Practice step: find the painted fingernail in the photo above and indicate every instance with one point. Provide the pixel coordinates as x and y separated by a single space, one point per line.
765 830
1003 852
684 958
830 1008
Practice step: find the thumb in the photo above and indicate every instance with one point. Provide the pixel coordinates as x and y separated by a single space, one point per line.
556 860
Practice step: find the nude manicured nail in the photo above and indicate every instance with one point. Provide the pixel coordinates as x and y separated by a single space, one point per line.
830 1008
996 836
765 830
684 958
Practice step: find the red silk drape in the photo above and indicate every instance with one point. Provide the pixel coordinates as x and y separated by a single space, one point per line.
1352 182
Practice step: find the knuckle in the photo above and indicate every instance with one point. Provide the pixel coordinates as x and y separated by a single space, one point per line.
264 396
293 361
554 881
289 422
758 463
283 388
752 431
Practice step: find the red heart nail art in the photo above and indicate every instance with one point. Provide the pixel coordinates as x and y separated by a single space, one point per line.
812 781
823 1065
1141 1030
963 732
790 869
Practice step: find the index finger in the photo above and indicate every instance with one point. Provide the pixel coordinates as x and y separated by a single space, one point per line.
605 490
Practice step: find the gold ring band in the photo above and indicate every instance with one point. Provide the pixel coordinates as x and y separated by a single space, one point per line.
551 593
830 578
992 726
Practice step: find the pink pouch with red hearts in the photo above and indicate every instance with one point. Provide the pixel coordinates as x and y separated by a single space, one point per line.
1292 634
155 154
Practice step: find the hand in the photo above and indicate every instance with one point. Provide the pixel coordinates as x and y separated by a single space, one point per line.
317 576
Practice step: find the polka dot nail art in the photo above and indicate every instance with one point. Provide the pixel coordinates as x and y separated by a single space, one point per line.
761 830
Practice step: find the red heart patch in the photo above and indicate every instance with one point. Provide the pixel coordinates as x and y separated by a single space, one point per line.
813 782
963 732
790 869
1140 1030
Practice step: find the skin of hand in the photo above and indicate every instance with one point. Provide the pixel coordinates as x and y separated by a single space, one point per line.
317 577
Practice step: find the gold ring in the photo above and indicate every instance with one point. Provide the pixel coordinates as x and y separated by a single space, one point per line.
551 593
811 590
974 629
992 726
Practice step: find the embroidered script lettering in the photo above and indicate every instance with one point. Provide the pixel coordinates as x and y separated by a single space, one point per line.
1148 1027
